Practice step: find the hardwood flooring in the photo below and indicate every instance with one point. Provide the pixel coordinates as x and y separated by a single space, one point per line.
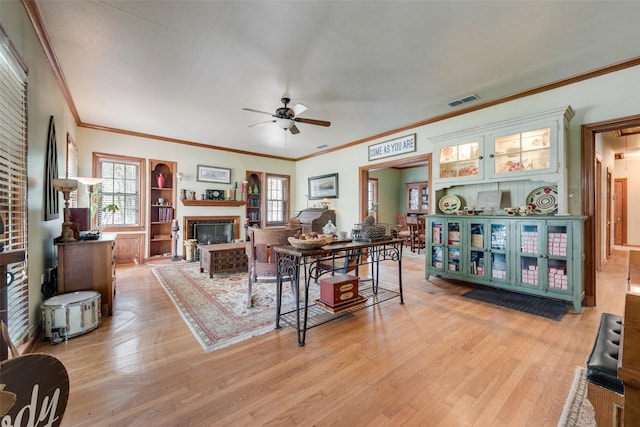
437 360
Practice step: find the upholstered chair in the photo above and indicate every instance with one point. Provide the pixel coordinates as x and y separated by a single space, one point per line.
263 264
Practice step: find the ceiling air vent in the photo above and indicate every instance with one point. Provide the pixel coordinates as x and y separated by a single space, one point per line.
320 147
463 100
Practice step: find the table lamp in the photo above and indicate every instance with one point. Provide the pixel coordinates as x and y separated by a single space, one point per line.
66 186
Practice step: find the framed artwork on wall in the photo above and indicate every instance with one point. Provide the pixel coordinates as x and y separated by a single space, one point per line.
324 186
214 174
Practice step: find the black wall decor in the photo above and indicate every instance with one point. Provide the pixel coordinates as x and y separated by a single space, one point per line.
51 210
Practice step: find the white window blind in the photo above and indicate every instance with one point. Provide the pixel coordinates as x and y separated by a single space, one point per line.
121 186
277 196
72 168
13 181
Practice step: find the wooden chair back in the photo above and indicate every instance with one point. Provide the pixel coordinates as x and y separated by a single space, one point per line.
259 245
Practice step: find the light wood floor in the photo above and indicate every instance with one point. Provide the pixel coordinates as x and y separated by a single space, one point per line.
437 360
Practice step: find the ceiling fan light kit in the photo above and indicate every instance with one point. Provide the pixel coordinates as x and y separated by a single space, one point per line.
286 117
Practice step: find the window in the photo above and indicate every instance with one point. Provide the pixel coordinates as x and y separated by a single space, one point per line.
72 168
121 188
277 199
372 197
13 182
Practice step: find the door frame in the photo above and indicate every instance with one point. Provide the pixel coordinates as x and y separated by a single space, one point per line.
588 151
363 174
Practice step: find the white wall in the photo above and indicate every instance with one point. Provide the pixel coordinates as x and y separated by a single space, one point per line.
187 157
630 169
45 99
606 97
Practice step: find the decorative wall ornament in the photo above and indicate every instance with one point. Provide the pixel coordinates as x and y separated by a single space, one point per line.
51 209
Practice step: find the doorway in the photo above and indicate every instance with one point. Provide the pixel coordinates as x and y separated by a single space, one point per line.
363 172
588 172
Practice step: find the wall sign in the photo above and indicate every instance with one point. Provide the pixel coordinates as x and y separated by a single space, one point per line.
405 144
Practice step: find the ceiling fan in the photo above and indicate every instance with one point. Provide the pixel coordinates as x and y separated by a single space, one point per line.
286 117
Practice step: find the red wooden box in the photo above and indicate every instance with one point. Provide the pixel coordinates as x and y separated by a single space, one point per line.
338 290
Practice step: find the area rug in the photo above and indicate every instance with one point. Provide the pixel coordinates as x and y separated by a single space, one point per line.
550 309
215 309
577 410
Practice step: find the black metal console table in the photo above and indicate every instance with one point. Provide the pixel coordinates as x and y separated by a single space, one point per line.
309 264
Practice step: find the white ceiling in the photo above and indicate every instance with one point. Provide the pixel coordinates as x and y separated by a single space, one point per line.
185 69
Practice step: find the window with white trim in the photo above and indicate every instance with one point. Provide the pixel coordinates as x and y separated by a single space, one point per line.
121 188
13 182
277 200
72 168
372 197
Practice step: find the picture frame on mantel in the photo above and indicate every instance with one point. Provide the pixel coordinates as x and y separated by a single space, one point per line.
323 187
213 174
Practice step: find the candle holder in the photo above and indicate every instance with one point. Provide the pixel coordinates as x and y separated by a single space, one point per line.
175 228
66 186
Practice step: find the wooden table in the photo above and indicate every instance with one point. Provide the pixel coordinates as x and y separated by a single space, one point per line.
222 257
295 263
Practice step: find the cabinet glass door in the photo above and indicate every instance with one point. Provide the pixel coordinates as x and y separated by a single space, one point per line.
499 242
529 240
453 246
460 160
526 151
558 249
436 245
477 248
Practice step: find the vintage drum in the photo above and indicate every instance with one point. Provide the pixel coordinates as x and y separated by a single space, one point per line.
67 315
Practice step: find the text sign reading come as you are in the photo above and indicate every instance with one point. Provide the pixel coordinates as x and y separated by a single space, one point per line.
394 147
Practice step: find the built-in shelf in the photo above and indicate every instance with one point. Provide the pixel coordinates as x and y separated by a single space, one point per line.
212 202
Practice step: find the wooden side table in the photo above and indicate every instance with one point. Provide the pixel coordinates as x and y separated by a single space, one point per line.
222 257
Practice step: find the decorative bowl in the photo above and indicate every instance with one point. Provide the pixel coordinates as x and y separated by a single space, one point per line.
323 239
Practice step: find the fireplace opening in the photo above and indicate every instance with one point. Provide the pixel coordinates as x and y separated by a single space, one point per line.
211 230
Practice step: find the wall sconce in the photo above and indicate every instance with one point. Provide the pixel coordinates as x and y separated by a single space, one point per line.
66 186
179 175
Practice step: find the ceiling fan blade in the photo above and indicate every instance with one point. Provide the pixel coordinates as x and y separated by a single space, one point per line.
257 111
293 129
299 109
262 123
312 121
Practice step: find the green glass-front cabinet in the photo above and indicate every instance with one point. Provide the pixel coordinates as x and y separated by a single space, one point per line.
535 255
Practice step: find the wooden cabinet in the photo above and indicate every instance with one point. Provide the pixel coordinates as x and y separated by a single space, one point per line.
535 255
529 150
417 197
88 265
254 199
162 201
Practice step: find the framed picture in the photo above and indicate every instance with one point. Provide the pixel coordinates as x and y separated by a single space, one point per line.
214 174
324 186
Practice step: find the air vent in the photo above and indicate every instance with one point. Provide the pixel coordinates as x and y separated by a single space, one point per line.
618 156
463 100
320 147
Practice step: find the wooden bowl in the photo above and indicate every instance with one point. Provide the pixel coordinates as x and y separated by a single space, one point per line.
322 240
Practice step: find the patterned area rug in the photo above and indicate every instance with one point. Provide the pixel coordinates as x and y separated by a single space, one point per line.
215 309
578 411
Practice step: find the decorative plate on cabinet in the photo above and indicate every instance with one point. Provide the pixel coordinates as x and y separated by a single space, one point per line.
543 200
449 204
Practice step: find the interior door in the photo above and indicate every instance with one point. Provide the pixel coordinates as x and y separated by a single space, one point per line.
608 220
620 211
